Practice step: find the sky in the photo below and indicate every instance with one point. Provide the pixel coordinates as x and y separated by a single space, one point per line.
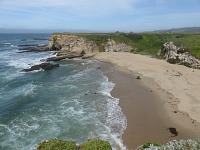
99 15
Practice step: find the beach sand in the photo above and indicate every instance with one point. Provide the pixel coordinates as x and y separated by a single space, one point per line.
166 96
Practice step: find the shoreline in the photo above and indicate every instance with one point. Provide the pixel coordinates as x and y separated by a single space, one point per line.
150 110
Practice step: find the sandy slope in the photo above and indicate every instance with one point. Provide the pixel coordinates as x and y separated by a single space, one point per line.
180 81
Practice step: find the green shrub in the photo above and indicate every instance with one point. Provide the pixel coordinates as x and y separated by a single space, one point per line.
173 145
149 43
55 39
95 145
56 144
147 145
134 37
182 145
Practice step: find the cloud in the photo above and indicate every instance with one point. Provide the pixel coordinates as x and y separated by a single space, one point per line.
79 7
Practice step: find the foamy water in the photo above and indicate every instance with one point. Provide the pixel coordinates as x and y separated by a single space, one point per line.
72 102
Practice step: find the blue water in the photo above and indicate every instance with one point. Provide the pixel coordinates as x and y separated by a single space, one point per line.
72 102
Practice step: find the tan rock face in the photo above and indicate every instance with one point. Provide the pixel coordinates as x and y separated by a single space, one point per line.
73 43
112 46
71 46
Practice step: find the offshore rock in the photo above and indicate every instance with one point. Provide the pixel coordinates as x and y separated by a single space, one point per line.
177 55
57 58
44 66
32 48
22 45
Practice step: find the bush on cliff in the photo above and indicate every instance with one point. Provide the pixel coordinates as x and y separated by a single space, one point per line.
149 43
173 145
56 144
55 39
148 144
95 145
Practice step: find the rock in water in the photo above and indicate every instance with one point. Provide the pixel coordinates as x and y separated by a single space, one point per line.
44 66
29 48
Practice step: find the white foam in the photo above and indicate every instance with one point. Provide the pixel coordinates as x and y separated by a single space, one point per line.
10 75
52 119
25 61
78 75
22 60
25 90
116 120
5 43
13 46
17 130
106 87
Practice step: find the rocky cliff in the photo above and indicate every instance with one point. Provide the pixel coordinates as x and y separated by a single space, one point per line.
177 55
71 46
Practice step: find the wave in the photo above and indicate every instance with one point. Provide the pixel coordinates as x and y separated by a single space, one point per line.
10 94
116 120
26 60
61 106
5 43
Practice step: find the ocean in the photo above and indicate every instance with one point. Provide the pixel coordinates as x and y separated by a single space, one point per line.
72 102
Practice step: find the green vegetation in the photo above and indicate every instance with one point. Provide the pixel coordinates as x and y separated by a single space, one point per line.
173 145
148 44
95 145
54 39
148 144
56 144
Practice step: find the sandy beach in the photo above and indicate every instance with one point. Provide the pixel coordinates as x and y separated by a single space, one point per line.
166 96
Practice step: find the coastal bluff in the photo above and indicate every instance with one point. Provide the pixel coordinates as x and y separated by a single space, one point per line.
174 48
65 43
72 46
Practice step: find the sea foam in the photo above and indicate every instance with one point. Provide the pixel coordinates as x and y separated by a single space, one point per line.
116 120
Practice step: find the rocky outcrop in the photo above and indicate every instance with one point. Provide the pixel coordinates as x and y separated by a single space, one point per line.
68 55
88 55
44 66
113 46
177 55
71 46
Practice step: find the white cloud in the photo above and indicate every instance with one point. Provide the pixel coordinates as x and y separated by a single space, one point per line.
80 7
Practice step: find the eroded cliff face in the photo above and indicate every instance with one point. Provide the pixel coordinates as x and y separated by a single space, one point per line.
71 46
112 46
68 43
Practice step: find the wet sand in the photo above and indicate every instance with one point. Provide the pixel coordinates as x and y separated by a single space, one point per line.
149 109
